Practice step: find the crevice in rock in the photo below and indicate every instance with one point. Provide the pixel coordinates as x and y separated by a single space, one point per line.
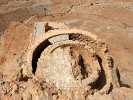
83 68
37 53
102 78
119 79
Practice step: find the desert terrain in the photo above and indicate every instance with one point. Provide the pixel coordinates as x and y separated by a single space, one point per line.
110 20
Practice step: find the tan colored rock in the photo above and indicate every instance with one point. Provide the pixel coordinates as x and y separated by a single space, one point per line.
14 88
4 97
15 72
27 95
17 96
111 20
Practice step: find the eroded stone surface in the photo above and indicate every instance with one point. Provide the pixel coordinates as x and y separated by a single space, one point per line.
110 20
69 67
102 74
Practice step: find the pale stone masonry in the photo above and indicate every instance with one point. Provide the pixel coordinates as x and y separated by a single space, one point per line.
72 59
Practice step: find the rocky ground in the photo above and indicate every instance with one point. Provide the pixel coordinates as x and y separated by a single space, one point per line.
111 20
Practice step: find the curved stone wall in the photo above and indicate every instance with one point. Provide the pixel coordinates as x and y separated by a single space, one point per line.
41 61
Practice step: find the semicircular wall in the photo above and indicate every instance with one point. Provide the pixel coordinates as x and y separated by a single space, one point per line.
108 77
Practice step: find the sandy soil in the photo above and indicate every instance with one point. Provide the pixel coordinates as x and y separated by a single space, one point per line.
111 20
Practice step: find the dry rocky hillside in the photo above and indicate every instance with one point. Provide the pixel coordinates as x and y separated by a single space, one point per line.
96 73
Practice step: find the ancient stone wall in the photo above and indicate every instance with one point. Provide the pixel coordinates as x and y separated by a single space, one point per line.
86 63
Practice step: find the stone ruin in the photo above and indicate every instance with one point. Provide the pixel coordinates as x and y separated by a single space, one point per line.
71 59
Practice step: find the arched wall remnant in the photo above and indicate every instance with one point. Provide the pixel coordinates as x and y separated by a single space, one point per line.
108 69
33 47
